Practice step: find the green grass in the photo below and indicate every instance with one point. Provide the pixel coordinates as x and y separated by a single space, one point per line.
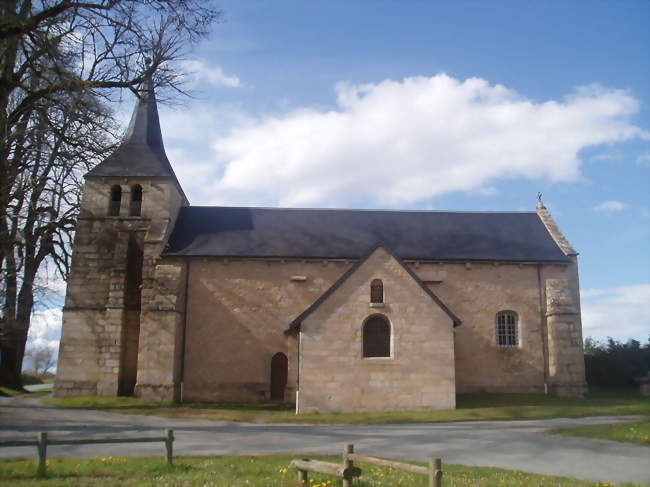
10 392
263 471
13 392
42 392
637 432
470 407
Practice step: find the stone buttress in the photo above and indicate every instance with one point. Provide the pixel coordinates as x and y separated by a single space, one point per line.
566 366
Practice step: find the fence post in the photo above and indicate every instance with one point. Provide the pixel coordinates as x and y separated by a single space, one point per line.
435 472
347 463
303 480
169 442
42 452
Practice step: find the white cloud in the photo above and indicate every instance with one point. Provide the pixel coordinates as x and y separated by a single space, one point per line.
48 278
189 136
610 206
620 312
200 72
397 143
45 330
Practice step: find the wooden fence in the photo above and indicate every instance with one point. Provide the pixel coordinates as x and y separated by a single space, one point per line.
348 471
42 442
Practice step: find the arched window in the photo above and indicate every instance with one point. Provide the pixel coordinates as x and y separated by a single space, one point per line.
376 291
376 337
506 329
115 201
136 200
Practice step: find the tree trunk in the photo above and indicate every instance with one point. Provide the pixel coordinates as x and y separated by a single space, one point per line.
9 366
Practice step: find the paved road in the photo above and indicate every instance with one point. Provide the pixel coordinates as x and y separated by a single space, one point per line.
38 387
519 445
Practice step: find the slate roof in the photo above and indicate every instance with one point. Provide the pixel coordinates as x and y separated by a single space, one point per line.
142 152
296 323
347 234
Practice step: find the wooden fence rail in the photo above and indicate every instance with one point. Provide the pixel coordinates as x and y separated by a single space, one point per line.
389 463
306 465
42 442
433 471
348 471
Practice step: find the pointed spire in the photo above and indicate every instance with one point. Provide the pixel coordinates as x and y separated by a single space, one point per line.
142 152
144 127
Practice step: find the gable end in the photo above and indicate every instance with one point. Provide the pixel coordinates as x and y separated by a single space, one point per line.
294 326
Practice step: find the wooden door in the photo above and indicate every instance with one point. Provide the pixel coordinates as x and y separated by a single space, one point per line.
279 374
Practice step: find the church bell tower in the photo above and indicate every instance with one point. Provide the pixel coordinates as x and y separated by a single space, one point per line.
129 205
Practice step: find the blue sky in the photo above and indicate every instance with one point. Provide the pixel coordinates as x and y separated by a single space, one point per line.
451 105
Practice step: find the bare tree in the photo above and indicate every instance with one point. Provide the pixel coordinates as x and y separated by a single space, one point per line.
59 61
41 358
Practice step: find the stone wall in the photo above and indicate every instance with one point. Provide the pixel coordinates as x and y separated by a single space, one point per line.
161 333
78 366
238 311
239 308
476 292
419 374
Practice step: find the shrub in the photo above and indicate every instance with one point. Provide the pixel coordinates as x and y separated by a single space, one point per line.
615 363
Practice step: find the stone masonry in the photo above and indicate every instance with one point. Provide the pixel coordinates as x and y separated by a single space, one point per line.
91 356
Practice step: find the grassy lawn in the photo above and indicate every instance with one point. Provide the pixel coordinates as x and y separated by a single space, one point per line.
637 432
263 471
42 392
9 392
470 407
13 392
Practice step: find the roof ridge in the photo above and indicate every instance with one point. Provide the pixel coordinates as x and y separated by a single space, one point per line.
383 210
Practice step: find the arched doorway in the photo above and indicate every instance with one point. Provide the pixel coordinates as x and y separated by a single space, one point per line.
279 374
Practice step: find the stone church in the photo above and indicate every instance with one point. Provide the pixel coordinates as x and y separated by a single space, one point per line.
335 310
